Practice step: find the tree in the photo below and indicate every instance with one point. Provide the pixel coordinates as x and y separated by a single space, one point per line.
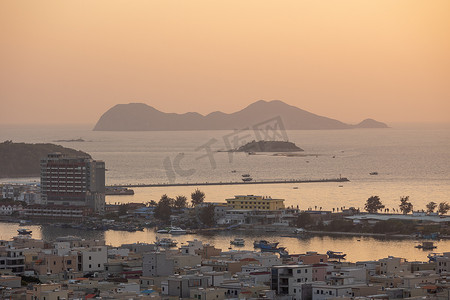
197 197
180 202
206 215
405 206
431 206
152 203
163 210
444 207
373 204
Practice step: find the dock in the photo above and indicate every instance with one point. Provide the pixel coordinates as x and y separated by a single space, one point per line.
340 179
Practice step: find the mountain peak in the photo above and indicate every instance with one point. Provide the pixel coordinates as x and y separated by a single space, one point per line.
371 123
142 117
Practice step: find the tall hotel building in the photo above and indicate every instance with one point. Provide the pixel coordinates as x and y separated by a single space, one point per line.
73 181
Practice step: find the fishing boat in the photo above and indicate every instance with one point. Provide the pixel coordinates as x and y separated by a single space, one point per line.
247 179
238 242
334 254
245 175
166 242
263 244
373 173
24 231
426 246
433 256
283 252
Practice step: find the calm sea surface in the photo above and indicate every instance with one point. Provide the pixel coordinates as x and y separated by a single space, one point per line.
409 162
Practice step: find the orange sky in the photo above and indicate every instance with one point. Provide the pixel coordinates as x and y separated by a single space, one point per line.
70 61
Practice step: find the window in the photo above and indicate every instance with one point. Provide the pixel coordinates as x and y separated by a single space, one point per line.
90 266
98 265
90 257
299 271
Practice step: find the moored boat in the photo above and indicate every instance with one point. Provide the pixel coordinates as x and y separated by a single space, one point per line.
166 242
334 254
426 246
433 256
177 231
238 242
263 244
24 231
164 230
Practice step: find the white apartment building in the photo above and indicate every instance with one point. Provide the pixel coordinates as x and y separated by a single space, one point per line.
290 279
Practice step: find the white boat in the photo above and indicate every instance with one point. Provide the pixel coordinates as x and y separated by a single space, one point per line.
177 231
165 230
238 242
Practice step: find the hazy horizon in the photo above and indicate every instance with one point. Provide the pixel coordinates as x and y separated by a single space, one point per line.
68 62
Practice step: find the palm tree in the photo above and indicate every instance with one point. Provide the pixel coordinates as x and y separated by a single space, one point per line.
197 197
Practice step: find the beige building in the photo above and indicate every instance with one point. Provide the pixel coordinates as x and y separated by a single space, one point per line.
208 293
47 292
252 202
54 264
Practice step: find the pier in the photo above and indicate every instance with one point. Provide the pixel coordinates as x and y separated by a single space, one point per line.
340 179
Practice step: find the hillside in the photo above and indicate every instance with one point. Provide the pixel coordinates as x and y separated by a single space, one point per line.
23 160
141 117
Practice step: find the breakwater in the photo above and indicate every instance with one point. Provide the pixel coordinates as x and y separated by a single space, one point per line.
340 179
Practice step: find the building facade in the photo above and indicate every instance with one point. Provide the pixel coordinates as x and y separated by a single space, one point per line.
252 202
73 181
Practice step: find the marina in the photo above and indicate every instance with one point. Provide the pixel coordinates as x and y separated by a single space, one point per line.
357 248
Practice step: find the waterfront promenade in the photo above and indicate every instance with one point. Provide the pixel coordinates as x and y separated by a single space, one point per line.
340 179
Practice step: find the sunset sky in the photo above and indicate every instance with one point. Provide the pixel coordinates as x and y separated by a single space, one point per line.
70 61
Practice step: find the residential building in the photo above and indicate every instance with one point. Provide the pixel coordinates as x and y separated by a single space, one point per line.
9 207
443 263
310 257
291 280
92 259
52 291
208 293
180 286
13 259
157 264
